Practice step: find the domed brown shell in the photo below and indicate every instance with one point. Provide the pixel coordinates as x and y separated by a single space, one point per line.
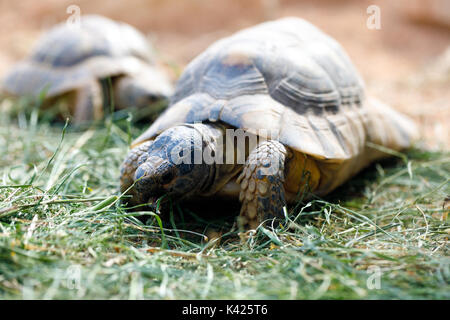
290 79
69 56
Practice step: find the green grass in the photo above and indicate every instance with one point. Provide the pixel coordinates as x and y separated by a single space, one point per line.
64 235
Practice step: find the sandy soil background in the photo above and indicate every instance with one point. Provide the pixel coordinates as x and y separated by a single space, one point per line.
404 63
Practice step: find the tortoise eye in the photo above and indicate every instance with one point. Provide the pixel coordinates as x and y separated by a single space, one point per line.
151 98
167 177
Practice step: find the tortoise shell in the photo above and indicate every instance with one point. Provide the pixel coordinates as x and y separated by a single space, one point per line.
69 56
289 79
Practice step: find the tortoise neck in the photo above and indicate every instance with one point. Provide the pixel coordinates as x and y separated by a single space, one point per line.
215 155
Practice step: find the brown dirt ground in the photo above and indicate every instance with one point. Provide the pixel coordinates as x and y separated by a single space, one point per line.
399 62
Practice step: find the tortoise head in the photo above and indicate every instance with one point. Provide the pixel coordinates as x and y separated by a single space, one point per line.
142 90
169 166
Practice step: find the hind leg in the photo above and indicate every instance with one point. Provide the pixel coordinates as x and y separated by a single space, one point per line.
262 184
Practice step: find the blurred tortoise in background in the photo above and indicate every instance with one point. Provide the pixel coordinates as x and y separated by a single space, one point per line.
284 82
72 63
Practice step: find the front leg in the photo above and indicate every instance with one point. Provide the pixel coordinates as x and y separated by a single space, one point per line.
88 103
262 191
128 168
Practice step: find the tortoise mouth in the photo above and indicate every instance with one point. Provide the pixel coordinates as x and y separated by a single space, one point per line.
160 202
154 204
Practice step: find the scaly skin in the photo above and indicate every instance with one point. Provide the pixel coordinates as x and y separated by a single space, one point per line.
127 170
88 103
262 184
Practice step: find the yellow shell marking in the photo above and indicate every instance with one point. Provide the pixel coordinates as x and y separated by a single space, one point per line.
301 170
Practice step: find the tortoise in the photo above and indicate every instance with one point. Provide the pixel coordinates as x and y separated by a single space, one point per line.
292 87
80 64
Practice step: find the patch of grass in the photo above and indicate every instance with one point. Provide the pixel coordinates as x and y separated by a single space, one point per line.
63 234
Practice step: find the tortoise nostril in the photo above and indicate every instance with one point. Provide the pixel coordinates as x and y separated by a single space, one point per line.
148 165
140 172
